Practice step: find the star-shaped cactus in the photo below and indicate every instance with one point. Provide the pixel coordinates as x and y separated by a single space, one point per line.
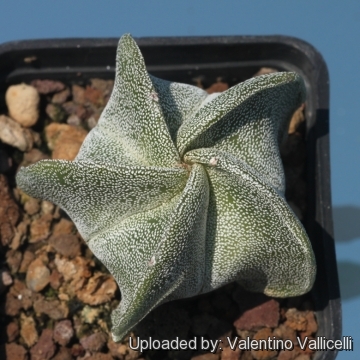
179 192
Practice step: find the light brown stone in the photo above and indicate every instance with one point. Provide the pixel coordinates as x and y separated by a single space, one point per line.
117 350
32 206
219 86
13 260
229 354
67 245
40 228
265 70
297 118
207 356
64 226
28 257
73 270
15 352
55 309
12 331
55 112
264 354
65 140
14 134
78 93
61 97
296 319
33 156
37 276
20 235
23 104
99 289
28 330
45 347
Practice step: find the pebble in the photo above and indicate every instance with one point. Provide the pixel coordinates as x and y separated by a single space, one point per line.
55 309
90 314
47 86
286 333
296 120
286 355
265 70
117 350
104 86
265 354
33 156
73 120
100 288
91 122
47 207
28 257
22 293
102 356
94 96
207 356
229 354
63 332
13 260
12 331
55 112
64 226
77 350
20 235
78 93
37 276
72 269
302 357
14 134
219 86
55 279
94 342
12 305
32 206
264 314
64 140
296 319
311 326
23 104
60 97
15 352
5 277
67 245
45 347
40 228
72 108
63 354
28 330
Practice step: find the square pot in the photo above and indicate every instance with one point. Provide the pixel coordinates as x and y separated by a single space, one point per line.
235 58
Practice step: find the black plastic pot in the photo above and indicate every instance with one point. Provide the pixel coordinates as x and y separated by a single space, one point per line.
235 58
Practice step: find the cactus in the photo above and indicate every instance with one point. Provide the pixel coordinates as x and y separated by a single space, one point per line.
179 192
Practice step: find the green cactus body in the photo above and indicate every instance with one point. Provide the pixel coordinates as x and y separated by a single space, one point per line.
179 192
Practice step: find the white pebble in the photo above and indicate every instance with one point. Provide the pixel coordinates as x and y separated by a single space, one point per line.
23 104
13 134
